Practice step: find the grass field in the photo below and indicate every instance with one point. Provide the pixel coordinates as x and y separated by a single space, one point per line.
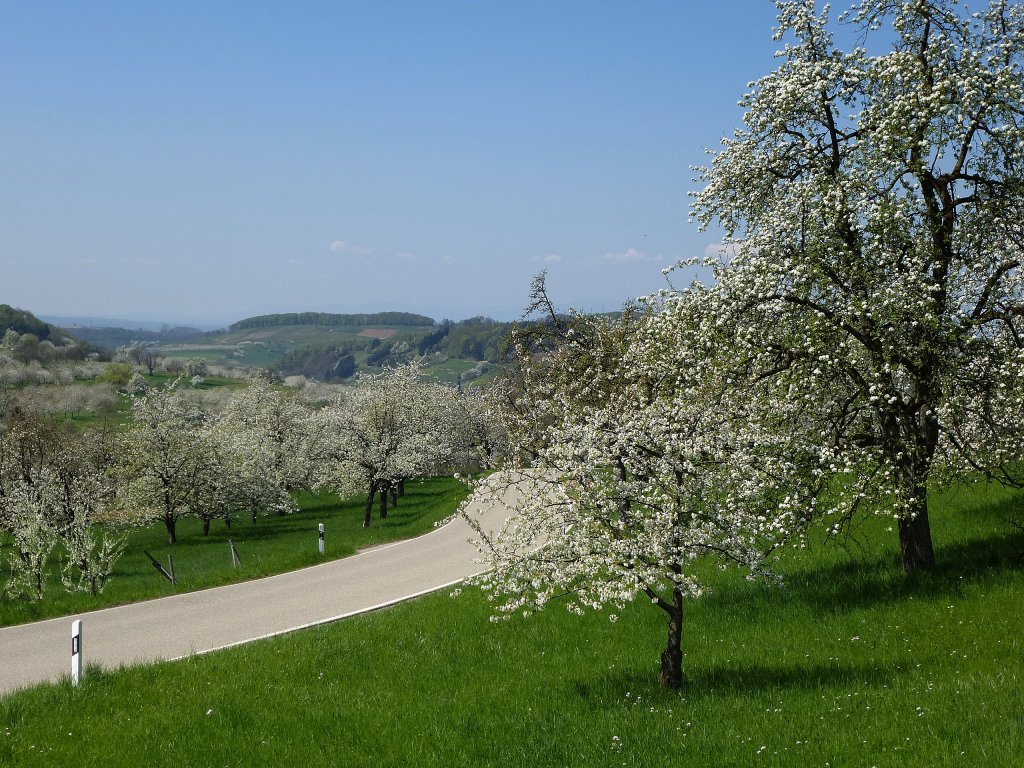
449 371
268 546
850 664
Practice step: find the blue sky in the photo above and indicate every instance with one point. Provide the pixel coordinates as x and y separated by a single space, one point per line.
208 161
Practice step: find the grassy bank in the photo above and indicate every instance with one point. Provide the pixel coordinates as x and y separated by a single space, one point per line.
849 665
268 546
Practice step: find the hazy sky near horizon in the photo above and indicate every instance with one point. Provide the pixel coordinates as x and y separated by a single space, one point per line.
207 161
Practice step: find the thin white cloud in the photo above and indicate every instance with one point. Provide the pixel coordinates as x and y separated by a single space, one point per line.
355 250
347 248
632 255
551 258
724 251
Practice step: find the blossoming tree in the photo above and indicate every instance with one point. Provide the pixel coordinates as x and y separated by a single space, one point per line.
165 458
377 434
874 201
264 437
55 489
630 460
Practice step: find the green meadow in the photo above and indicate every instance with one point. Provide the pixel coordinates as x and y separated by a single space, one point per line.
848 663
449 371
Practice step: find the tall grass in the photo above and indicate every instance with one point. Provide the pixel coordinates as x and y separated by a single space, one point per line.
848 664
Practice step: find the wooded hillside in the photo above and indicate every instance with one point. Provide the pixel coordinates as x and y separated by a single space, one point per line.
22 321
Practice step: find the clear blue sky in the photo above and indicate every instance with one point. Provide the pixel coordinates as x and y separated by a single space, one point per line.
208 161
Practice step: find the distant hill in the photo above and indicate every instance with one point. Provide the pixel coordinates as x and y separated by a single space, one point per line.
113 337
328 319
450 352
79 321
22 321
318 345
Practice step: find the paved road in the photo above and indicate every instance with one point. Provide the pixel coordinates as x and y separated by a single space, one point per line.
181 625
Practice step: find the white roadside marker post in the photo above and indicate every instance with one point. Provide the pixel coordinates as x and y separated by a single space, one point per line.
76 651
321 538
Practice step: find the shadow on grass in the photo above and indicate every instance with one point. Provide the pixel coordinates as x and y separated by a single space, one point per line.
872 579
401 517
327 505
740 680
756 678
269 527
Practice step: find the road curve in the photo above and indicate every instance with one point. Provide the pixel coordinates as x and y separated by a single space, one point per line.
198 622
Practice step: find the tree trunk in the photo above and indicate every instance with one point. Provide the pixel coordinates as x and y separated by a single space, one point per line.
383 502
916 539
206 526
394 495
671 675
368 512
170 522
916 550
401 487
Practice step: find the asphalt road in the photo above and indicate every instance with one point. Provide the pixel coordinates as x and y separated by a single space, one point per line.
199 622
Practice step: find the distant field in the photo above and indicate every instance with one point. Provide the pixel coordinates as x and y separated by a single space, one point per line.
255 356
184 352
449 371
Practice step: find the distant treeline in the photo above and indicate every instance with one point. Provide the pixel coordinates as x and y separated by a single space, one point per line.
325 318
